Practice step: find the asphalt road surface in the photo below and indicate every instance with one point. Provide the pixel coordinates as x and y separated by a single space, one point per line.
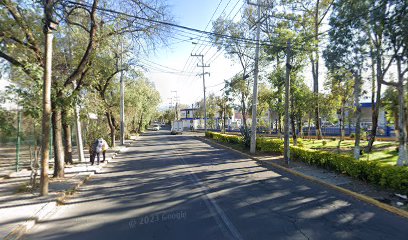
177 187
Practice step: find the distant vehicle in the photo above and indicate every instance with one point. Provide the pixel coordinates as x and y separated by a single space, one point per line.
177 127
156 127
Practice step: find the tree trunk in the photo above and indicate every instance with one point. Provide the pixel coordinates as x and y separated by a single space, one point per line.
308 127
300 127
111 127
373 79
286 143
357 77
225 118
396 124
46 103
292 120
58 143
140 123
67 138
315 71
280 126
269 121
244 111
294 135
343 119
380 76
402 153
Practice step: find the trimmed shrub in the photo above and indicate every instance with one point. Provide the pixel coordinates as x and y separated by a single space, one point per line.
269 145
219 137
392 177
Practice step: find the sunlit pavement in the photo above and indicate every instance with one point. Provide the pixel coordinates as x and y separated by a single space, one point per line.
176 187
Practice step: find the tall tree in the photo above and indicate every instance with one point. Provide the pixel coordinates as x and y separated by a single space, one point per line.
314 14
238 50
21 37
341 82
346 50
397 36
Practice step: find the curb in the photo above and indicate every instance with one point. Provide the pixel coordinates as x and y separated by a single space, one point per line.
358 196
21 229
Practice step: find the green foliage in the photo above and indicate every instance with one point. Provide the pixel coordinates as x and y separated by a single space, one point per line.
95 130
6 123
246 136
234 139
270 145
142 100
390 101
392 177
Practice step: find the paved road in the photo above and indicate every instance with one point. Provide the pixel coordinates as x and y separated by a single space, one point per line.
177 187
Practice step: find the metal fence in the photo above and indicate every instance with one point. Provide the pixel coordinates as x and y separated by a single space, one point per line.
387 132
18 144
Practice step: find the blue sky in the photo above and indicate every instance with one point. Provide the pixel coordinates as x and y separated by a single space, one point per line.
195 14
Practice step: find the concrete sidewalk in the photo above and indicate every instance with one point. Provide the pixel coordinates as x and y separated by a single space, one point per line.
20 210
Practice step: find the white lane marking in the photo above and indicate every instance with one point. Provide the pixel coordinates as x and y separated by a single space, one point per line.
226 225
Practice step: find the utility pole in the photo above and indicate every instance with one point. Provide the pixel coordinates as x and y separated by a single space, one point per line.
203 74
49 26
177 110
175 106
255 88
122 100
287 93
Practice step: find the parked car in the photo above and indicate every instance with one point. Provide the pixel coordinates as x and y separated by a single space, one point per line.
156 127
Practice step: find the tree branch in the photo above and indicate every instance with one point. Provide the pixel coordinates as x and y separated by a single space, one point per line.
17 63
393 84
325 13
90 48
14 11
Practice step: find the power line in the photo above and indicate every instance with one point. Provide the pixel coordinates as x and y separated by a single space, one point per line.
143 59
165 23
189 57
240 39
239 10
210 43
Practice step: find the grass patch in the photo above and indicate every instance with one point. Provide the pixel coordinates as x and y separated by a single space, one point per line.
388 157
383 152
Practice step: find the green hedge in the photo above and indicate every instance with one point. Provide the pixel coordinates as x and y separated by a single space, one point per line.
392 177
219 137
269 145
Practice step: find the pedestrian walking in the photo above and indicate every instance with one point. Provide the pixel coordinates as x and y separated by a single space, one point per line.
105 147
97 148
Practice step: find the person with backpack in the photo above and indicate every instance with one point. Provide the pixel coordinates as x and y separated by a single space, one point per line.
97 148
105 147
